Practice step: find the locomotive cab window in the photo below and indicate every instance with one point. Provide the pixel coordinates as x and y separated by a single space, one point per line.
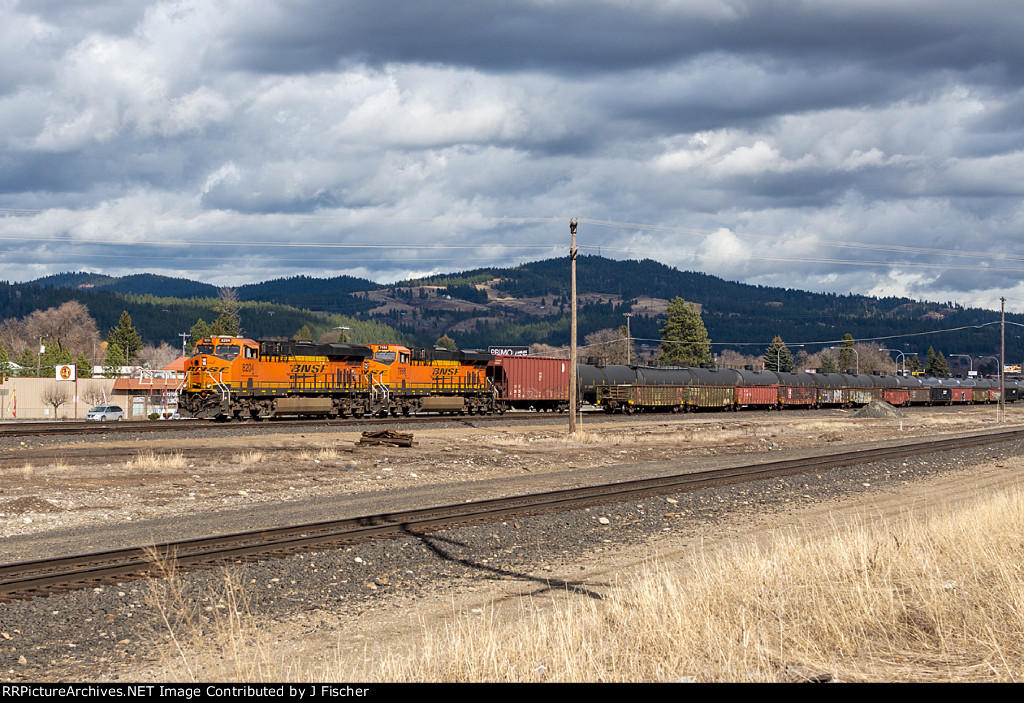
403 358
250 352
228 351
204 349
384 357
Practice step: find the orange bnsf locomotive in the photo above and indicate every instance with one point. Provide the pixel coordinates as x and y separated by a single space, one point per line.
232 377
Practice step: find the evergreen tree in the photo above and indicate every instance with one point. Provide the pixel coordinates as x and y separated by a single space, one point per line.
685 339
27 360
304 334
445 342
114 360
936 364
913 364
229 321
847 358
126 338
829 363
84 368
198 332
5 363
55 355
777 357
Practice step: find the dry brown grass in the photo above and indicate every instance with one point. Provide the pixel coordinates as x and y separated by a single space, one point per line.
677 435
937 599
249 459
151 461
325 453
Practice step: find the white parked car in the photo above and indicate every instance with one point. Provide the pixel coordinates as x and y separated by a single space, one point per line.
102 413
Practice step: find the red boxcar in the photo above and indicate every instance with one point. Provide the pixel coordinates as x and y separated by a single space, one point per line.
538 382
757 396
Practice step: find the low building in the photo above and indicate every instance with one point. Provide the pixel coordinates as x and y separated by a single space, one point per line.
142 393
150 392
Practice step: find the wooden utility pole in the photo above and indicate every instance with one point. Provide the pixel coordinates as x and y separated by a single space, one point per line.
629 342
1002 361
573 395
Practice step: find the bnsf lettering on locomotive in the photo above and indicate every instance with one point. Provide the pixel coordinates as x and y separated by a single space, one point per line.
448 371
308 368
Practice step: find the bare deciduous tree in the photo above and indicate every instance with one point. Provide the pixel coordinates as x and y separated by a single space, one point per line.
157 357
548 350
70 325
732 359
56 395
93 396
13 336
609 345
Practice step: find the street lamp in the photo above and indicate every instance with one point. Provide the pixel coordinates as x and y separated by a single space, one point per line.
970 372
901 353
855 352
778 357
993 358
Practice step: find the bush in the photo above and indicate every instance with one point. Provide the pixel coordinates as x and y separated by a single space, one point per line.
154 416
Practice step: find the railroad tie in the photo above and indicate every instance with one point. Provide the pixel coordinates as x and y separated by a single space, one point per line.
386 438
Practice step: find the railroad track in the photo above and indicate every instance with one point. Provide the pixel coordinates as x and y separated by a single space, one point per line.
31 429
80 427
27 579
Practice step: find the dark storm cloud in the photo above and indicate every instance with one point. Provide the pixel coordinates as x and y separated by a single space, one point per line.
805 123
584 36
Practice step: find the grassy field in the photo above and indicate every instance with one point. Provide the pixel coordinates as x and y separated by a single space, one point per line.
920 598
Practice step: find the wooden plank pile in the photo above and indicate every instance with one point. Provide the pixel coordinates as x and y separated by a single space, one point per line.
387 438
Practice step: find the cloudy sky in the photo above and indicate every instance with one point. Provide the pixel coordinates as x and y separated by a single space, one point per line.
872 146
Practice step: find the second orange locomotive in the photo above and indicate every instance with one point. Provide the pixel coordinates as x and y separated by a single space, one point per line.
234 377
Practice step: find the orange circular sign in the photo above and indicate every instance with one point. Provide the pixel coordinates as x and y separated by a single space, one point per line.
65 372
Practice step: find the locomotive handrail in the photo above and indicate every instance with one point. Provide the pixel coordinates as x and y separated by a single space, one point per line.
379 387
225 390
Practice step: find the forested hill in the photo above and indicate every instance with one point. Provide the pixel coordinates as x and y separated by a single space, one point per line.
524 305
743 315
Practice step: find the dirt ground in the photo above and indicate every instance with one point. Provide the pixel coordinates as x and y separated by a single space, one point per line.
347 642
60 487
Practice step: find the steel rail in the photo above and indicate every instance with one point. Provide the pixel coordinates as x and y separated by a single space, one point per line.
26 578
32 429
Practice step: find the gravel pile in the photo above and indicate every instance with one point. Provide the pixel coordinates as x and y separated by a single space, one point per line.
879 410
95 634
